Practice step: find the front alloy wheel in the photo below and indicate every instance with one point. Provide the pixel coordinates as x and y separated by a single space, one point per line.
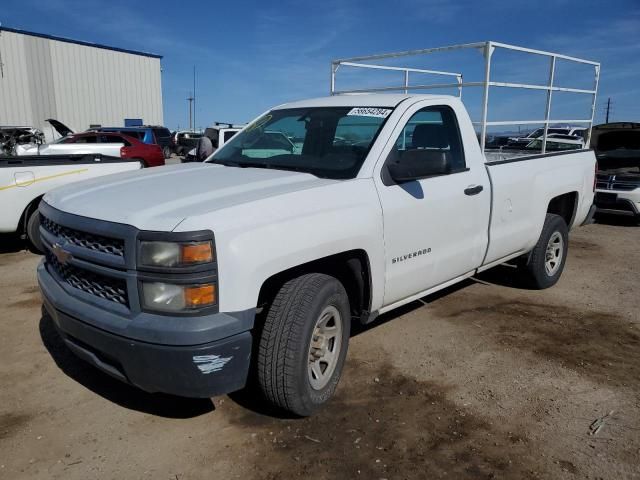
324 348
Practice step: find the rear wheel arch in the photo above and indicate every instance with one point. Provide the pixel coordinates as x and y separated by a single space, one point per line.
28 211
351 268
565 206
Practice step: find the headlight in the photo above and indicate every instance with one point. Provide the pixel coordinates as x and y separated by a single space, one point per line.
174 254
171 297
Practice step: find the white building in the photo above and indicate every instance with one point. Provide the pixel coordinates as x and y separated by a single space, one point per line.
78 83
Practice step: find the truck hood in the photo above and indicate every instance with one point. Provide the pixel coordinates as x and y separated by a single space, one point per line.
160 198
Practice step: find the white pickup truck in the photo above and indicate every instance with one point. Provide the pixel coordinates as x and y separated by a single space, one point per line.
24 180
255 260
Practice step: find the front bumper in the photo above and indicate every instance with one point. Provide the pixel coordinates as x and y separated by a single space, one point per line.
201 370
618 203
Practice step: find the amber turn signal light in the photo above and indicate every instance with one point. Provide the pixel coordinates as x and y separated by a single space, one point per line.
200 252
200 296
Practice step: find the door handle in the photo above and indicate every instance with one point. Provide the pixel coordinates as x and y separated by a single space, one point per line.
473 189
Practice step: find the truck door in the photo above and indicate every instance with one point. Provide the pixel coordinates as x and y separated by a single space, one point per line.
435 228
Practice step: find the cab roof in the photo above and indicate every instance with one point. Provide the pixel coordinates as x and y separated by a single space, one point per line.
359 100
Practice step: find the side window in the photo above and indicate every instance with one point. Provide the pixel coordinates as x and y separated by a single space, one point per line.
87 139
228 134
434 129
115 139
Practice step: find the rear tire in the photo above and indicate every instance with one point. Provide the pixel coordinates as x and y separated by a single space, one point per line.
142 162
304 343
33 232
166 151
547 259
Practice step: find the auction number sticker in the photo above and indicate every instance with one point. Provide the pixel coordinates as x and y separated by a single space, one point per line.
370 112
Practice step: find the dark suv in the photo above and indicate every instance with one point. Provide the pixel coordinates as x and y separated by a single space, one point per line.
146 133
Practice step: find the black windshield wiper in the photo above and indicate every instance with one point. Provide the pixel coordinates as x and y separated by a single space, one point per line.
273 166
225 163
266 166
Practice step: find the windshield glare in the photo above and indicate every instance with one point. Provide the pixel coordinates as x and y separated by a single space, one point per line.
329 142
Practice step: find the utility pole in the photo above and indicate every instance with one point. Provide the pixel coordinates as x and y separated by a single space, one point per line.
194 97
190 99
192 103
608 108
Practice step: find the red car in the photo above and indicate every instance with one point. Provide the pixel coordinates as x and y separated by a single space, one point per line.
150 154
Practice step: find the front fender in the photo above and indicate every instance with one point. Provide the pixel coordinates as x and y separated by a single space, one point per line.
259 239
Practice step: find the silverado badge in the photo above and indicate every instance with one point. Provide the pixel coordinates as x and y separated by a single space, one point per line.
61 254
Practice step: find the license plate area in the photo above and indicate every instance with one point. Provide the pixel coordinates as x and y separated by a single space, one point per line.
606 198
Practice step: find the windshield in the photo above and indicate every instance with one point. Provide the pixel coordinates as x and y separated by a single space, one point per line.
330 142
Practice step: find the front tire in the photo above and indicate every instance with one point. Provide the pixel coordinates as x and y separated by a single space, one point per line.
304 343
547 259
33 232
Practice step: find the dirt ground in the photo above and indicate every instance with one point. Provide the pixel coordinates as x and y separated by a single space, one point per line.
483 381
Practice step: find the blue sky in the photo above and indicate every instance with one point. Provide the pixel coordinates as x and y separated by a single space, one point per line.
253 55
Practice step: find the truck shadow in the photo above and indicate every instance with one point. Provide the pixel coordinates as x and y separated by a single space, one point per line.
170 406
251 399
113 390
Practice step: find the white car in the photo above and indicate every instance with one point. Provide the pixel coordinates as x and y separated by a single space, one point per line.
24 181
61 147
617 146
557 142
574 133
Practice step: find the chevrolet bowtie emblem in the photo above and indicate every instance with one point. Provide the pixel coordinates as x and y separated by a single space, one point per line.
61 254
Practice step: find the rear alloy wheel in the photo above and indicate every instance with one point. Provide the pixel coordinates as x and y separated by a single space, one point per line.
554 254
166 151
546 261
303 343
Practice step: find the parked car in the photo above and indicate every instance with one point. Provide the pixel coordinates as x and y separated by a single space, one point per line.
12 136
557 142
283 251
617 147
219 134
538 133
108 143
186 140
76 144
149 154
496 141
147 134
24 180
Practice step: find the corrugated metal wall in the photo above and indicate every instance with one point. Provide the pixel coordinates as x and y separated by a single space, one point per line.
76 84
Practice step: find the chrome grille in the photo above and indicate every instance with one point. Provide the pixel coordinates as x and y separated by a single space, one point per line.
99 243
624 183
112 289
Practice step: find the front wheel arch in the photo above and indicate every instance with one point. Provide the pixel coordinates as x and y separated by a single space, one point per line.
351 268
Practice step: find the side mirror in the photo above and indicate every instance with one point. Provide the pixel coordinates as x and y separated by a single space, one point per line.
417 164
